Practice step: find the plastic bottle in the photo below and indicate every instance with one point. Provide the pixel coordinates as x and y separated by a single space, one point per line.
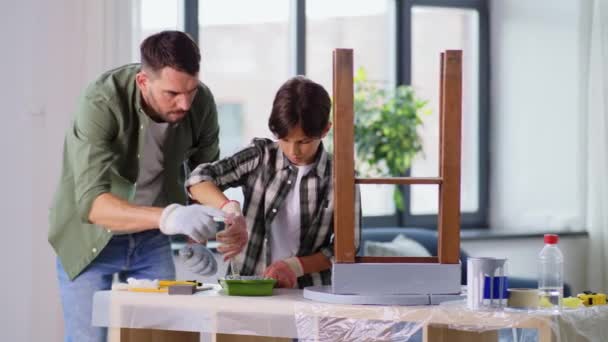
551 275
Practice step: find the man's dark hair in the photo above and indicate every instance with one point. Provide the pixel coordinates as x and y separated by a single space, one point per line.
173 49
303 102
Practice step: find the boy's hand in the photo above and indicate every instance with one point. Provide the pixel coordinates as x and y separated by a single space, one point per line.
286 272
234 238
232 207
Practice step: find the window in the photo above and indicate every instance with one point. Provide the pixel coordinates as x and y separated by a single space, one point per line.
230 120
230 116
459 30
364 26
151 16
433 26
249 48
244 46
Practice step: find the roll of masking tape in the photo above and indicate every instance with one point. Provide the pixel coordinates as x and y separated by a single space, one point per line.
523 298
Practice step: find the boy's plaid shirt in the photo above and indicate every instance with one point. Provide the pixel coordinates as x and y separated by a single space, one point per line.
265 176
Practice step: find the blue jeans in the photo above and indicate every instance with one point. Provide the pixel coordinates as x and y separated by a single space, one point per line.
140 255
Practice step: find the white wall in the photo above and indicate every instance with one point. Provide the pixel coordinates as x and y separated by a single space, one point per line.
535 127
536 171
15 177
51 50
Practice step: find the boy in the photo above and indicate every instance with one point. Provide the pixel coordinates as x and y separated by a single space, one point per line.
288 190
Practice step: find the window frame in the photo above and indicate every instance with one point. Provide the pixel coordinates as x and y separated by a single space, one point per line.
191 19
479 218
403 21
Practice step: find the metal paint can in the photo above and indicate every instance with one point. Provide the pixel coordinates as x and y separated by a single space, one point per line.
487 283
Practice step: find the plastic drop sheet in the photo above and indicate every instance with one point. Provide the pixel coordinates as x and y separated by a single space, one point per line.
288 314
331 322
204 312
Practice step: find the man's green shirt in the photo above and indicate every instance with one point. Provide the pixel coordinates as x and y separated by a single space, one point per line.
101 154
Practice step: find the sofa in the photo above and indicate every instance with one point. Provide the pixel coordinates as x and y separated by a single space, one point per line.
428 239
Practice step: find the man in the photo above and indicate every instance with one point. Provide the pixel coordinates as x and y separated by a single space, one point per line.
121 190
288 190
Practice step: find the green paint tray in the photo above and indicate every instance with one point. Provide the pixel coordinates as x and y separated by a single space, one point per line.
248 287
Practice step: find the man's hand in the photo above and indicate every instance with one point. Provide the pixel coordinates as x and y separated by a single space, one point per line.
234 239
198 259
286 272
194 220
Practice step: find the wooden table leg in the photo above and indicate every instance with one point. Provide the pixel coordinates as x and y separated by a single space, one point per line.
248 338
151 335
441 333
546 334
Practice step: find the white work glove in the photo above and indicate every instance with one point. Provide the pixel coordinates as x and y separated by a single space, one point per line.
234 238
194 220
198 259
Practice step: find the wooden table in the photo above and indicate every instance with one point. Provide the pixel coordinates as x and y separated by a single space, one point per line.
159 317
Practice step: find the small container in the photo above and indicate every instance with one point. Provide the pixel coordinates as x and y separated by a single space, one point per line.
486 283
523 298
248 287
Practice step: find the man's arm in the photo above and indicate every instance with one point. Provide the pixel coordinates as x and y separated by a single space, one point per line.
90 145
195 221
119 215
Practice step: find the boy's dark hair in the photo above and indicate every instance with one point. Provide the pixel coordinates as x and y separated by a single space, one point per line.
173 49
303 102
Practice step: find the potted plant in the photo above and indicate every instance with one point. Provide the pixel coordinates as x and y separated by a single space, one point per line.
387 123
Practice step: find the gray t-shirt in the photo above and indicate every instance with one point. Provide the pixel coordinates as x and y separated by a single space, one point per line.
149 189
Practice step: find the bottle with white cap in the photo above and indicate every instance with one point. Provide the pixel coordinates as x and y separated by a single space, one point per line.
551 275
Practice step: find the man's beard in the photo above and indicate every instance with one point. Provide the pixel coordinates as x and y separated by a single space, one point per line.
158 116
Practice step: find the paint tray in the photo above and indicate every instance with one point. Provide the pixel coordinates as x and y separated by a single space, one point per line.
247 286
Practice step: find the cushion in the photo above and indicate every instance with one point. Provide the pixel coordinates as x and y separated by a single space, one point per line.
400 246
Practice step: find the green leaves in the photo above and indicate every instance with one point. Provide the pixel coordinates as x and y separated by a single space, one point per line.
386 129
